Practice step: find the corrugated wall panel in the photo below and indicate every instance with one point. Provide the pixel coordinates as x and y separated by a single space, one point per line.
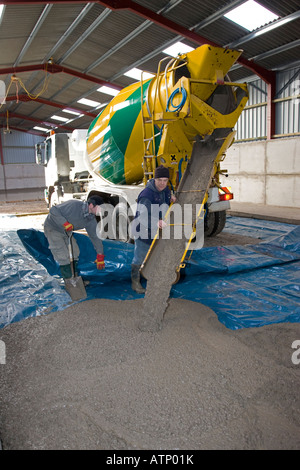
18 147
18 155
288 86
252 122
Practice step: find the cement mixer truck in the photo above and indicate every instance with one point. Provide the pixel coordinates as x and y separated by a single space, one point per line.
157 122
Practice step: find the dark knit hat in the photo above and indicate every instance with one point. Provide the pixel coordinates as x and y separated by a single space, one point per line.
161 172
95 200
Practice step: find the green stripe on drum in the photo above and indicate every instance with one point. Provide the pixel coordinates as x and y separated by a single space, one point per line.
116 140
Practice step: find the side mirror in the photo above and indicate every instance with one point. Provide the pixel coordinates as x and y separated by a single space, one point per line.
39 155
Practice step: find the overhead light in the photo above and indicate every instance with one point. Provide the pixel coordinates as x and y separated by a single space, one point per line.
108 90
41 129
1 11
87 102
178 48
59 118
250 15
136 74
2 92
71 112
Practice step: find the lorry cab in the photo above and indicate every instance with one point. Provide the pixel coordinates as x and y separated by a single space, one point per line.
62 155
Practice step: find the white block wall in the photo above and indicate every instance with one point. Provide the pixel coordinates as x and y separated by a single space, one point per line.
265 172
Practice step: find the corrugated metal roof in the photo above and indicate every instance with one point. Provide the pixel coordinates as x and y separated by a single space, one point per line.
102 42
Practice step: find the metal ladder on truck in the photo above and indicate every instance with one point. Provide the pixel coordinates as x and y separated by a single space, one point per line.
149 158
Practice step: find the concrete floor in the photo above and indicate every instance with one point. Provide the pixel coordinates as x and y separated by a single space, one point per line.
287 215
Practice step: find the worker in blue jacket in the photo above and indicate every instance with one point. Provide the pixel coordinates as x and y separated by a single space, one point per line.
152 205
62 220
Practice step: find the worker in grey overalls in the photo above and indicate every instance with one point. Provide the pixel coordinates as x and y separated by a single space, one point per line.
62 220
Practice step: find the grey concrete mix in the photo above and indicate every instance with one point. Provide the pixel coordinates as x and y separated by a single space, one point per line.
88 378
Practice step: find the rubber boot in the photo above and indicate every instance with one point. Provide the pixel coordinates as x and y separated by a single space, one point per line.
66 271
136 279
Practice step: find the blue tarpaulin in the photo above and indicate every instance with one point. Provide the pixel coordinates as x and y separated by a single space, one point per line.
246 286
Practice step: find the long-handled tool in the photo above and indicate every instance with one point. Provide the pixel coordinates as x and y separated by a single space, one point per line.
74 285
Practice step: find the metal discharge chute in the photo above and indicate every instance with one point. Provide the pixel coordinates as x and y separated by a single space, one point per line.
183 118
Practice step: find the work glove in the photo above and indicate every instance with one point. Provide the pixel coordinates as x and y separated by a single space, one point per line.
68 227
100 261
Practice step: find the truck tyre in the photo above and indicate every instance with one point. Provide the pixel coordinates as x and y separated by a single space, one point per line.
209 223
120 221
220 221
214 223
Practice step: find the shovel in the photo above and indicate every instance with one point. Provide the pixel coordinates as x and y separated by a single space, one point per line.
74 285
